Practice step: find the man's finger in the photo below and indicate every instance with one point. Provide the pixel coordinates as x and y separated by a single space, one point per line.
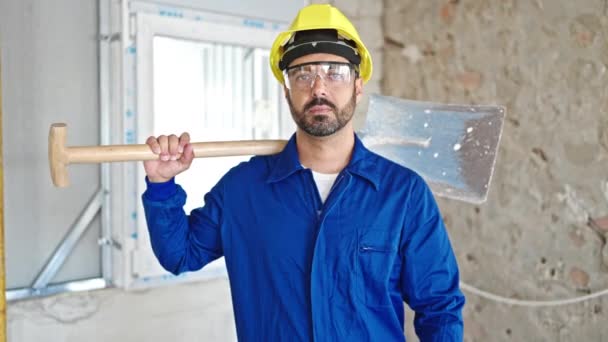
153 143
188 155
173 146
184 139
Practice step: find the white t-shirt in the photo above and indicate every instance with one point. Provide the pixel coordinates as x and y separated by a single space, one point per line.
324 183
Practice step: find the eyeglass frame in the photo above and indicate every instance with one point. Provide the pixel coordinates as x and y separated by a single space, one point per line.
353 68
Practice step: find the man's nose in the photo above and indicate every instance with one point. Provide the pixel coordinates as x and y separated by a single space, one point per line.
318 86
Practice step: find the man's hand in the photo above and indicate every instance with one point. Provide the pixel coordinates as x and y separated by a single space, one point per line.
175 156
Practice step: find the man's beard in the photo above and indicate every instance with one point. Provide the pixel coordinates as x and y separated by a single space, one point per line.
322 125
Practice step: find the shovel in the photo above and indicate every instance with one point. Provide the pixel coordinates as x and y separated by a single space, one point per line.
453 147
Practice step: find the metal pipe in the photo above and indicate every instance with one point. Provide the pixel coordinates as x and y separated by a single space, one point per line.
72 286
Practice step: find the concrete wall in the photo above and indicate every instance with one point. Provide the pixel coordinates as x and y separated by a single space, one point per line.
533 238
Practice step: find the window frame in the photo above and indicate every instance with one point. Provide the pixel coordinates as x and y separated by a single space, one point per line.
134 263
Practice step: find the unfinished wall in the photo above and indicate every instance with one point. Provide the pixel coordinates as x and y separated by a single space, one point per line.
540 235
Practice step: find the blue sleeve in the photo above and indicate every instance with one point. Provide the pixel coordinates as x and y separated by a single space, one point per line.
182 242
430 278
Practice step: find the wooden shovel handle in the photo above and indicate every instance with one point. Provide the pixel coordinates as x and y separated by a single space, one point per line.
61 156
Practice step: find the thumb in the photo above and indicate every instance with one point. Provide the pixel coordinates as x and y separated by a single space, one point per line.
187 156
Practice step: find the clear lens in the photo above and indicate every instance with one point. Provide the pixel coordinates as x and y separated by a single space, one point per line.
334 75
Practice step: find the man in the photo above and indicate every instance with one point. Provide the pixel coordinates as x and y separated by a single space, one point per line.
325 240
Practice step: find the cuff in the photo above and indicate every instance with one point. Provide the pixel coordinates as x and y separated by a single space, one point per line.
160 191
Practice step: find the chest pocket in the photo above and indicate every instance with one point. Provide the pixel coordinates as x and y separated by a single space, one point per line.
377 250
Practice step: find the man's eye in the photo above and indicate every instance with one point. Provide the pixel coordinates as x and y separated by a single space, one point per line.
335 76
303 77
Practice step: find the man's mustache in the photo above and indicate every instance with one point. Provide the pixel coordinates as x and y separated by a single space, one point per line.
318 101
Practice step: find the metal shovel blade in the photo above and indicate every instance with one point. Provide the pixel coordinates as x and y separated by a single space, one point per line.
453 147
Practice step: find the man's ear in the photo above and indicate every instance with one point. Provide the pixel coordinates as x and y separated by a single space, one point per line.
358 89
285 91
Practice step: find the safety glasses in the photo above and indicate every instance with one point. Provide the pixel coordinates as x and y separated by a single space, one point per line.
335 75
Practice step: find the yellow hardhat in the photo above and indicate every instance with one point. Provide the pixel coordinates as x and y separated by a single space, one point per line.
320 17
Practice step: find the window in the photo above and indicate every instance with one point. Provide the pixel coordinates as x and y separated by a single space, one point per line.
210 78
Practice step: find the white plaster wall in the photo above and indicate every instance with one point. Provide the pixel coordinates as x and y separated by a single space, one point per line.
49 74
